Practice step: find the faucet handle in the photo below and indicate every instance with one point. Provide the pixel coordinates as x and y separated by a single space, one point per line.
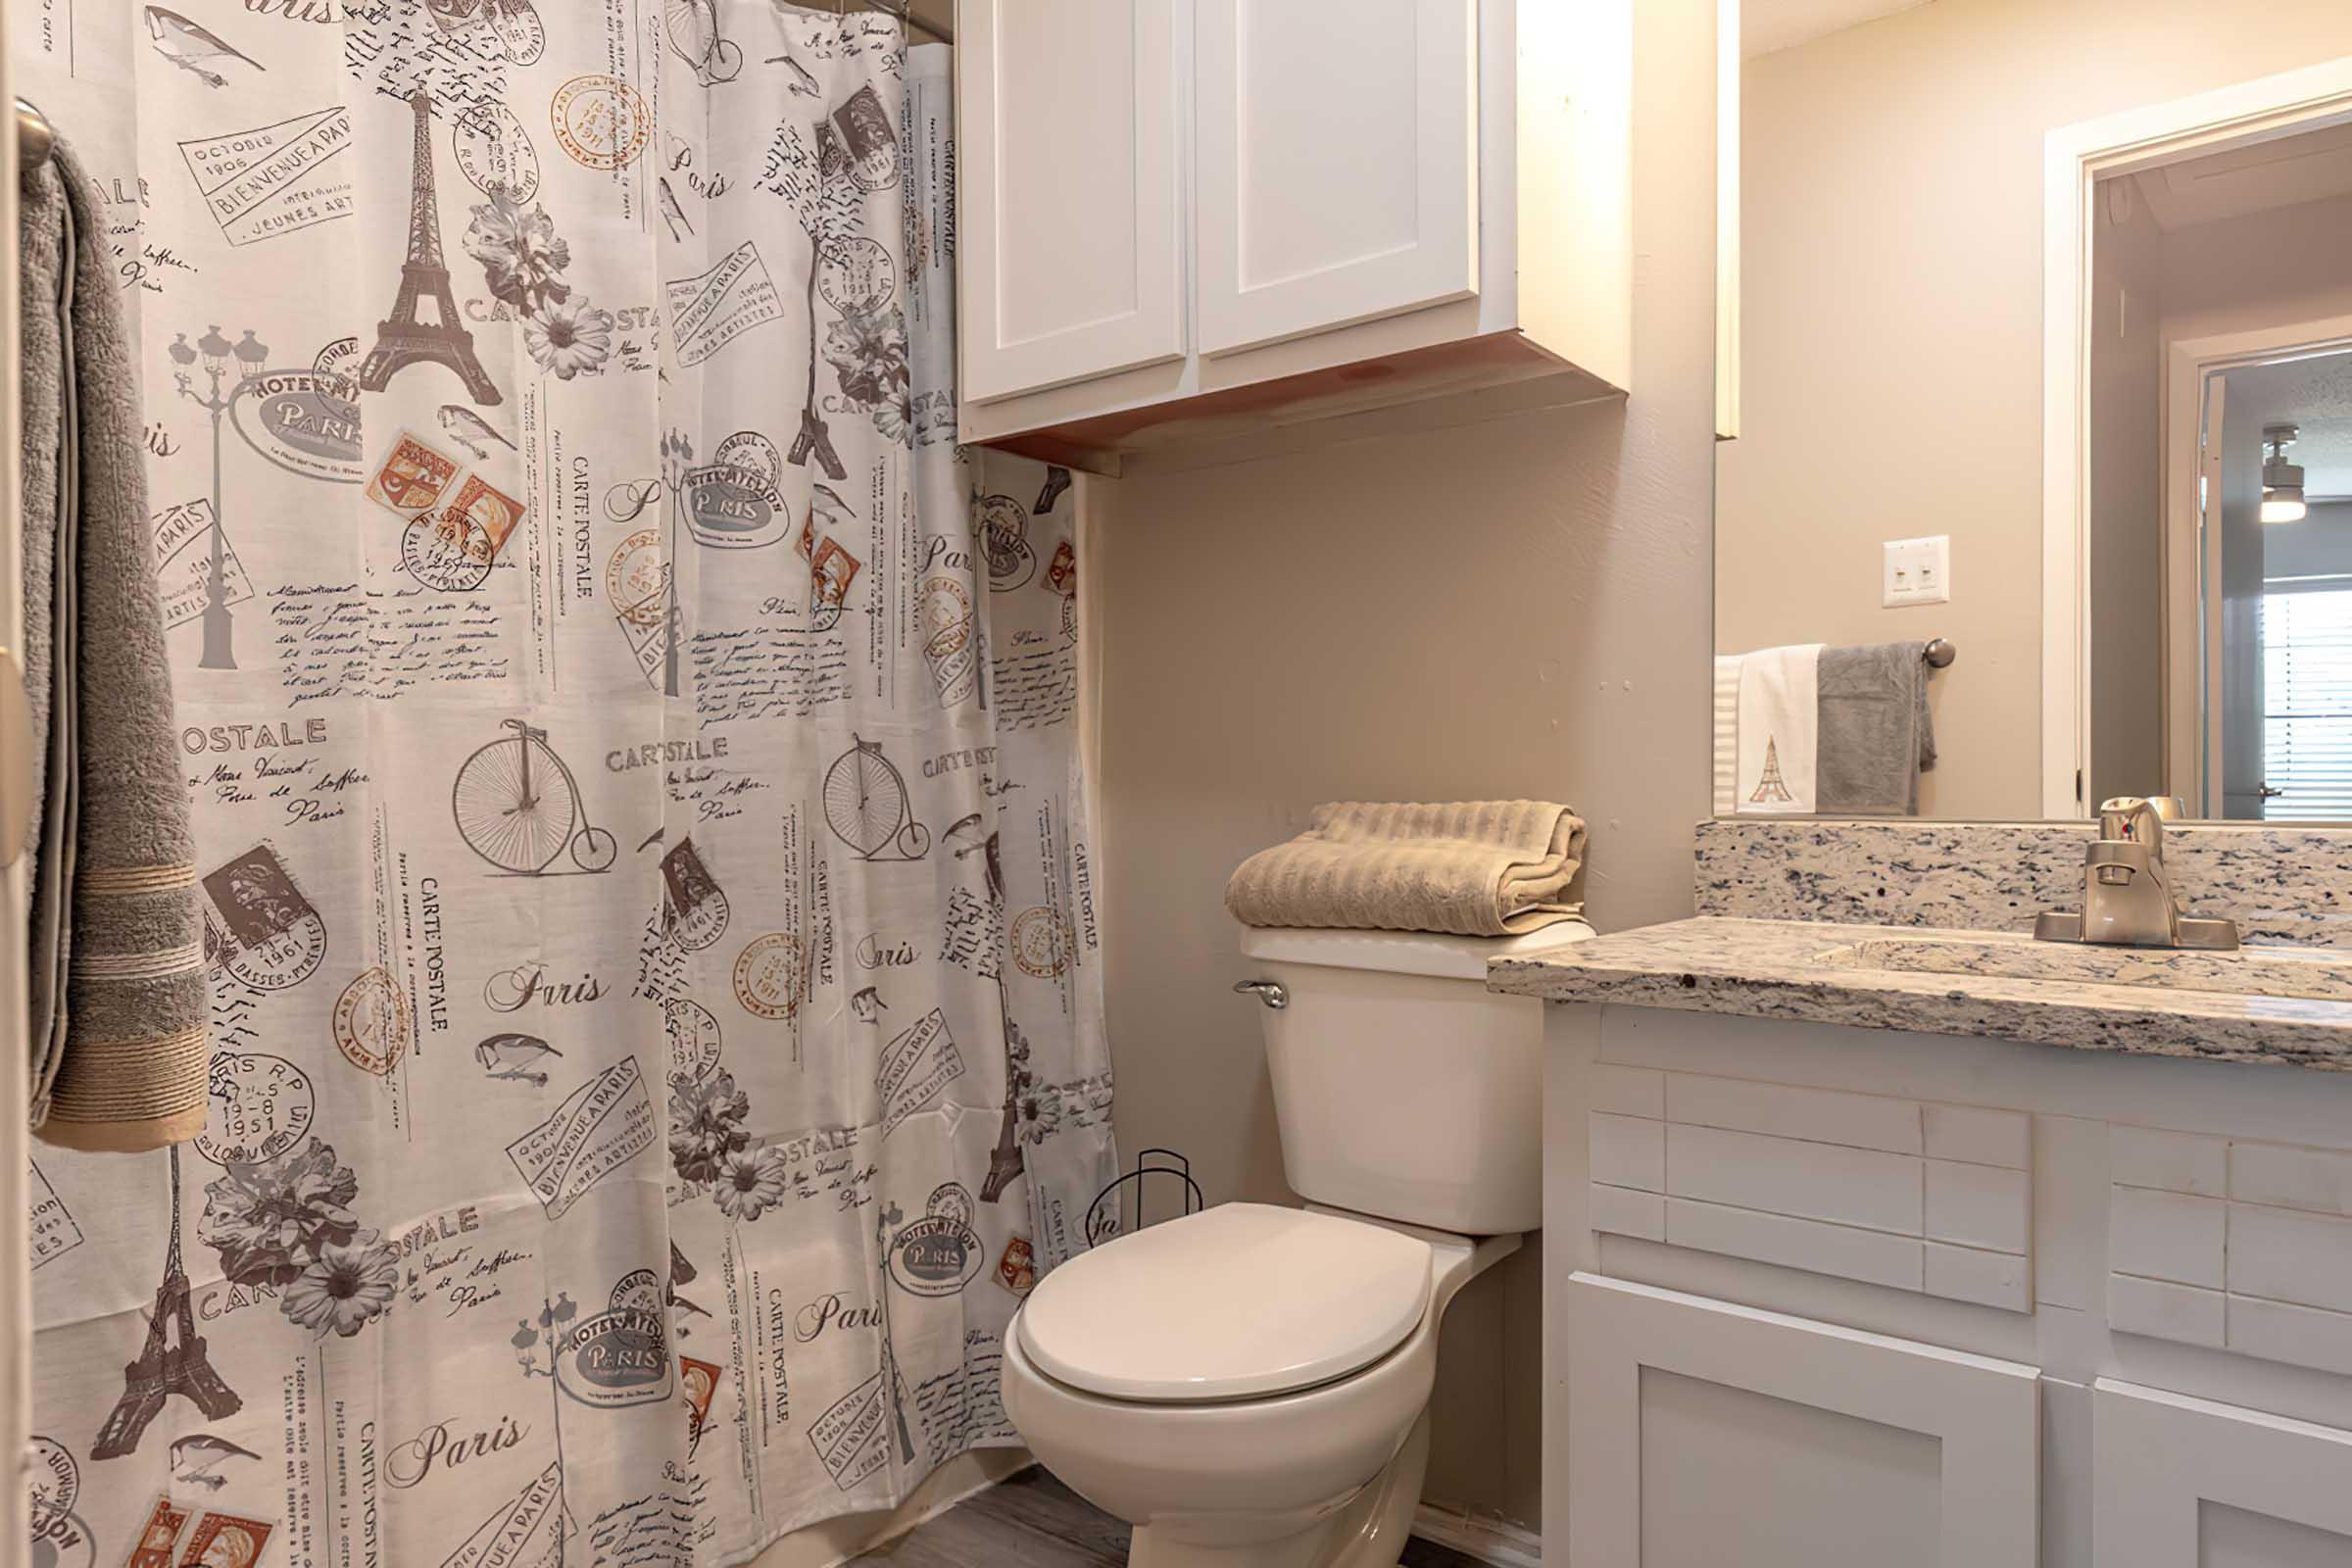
2121 816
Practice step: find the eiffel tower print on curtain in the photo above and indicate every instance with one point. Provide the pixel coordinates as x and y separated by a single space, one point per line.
1771 787
172 1361
401 340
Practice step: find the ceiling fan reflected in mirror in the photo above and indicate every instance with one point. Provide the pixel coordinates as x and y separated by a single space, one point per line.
2282 481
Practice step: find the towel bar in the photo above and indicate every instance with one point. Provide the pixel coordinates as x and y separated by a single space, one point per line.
1938 654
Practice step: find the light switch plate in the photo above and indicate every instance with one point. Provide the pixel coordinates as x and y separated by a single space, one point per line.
1919 571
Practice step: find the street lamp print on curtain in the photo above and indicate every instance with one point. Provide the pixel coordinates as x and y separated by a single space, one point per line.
634 751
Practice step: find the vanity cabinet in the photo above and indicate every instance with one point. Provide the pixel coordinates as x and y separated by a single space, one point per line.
1183 222
1818 1292
2184 1482
1705 1433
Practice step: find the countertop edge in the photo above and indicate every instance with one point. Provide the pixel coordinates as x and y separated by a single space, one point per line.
1655 967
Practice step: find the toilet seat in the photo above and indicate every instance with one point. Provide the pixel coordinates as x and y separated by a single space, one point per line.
1240 1301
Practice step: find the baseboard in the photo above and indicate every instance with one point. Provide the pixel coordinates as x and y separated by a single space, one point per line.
1488 1538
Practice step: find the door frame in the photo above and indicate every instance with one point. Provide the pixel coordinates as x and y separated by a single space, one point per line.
2074 158
2190 558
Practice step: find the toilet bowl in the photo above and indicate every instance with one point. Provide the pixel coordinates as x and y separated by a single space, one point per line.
1248 1386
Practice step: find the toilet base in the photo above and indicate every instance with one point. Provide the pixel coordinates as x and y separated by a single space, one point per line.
1367 1529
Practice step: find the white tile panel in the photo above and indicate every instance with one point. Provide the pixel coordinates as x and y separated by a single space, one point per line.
1978 1206
1627 1151
2302 1336
1871 1256
2174 1162
2283 1256
2166 1236
2281 1174
1988 1279
1622 1211
1816 1115
1628 1090
2163 1310
1786 1176
1982 1136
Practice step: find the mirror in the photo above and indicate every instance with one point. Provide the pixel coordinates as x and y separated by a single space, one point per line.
2056 299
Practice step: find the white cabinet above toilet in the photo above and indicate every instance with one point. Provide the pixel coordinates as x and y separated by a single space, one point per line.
1182 220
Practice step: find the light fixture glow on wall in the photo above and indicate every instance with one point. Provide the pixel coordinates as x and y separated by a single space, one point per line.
2282 481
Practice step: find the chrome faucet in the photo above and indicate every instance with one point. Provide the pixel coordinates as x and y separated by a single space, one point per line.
2127 894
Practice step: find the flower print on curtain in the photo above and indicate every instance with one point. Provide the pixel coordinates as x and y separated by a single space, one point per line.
635 757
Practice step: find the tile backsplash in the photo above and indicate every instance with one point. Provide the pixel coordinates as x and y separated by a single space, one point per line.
2282 885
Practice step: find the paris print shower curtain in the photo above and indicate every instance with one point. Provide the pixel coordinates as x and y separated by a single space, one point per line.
636 776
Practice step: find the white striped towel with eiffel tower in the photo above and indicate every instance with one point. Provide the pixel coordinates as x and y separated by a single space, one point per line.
1777 730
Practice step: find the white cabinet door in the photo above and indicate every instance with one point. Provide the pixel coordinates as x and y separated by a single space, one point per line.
1070 142
1337 164
2183 1483
1701 1434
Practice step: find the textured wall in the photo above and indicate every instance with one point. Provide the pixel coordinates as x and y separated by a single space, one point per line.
1517 608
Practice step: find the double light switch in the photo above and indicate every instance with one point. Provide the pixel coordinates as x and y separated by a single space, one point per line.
1919 571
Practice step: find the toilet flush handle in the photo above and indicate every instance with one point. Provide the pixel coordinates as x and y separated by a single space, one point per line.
1270 992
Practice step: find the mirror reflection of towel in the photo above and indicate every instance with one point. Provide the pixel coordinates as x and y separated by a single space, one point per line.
1778 720
1876 734
1811 730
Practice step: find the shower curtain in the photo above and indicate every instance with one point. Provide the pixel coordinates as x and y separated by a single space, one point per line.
637 782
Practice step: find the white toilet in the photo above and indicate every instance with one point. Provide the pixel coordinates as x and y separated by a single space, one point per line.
1249 1385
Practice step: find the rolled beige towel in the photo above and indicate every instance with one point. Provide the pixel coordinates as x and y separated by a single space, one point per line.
1477 868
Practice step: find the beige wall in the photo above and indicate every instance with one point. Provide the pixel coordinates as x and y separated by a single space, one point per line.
1518 608
1892 319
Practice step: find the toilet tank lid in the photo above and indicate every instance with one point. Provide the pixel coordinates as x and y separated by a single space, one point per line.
1424 952
1244 1300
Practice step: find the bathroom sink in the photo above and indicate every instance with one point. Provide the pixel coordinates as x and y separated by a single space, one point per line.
2313 974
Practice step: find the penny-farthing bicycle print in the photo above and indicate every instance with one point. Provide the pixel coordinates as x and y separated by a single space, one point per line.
866 805
518 806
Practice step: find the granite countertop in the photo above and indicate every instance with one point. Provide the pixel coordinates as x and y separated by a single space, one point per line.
2000 985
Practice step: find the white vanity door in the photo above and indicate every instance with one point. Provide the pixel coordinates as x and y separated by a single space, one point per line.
1703 1434
2183 1483
1339 164
1072 200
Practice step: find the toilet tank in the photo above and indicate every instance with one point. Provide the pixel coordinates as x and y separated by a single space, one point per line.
1403 1088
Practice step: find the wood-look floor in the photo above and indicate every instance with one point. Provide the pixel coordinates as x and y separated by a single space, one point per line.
1034 1521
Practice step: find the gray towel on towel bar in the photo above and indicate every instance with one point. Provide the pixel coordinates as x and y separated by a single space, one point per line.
120 1008
1478 868
1876 734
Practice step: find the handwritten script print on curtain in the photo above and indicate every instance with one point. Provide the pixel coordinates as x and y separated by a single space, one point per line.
634 752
